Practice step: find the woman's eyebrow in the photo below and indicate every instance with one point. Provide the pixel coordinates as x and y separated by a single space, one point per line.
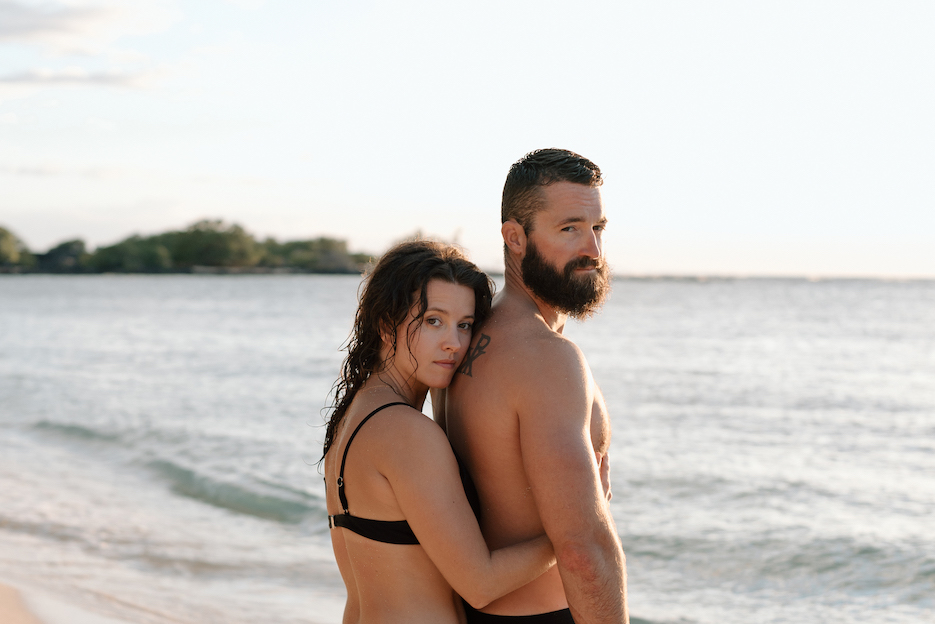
443 310
438 309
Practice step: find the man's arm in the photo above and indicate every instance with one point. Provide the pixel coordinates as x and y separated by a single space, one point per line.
438 407
559 461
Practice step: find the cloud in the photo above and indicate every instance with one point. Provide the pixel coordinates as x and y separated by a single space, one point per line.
80 43
80 26
77 76
48 23
157 176
50 171
248 4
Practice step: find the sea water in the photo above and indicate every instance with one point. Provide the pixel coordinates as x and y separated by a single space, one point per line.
773 454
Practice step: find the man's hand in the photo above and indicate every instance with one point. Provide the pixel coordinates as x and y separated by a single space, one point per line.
604 462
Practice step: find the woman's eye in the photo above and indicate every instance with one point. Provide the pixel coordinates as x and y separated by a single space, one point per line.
434 321
466 326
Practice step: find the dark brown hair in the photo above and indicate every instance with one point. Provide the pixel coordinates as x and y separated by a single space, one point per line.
521 196
399 280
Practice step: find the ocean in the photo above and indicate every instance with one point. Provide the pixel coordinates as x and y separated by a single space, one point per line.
773 453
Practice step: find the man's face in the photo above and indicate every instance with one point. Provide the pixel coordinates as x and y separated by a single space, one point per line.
564 264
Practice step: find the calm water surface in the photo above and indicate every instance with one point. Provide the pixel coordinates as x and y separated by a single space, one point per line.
773 457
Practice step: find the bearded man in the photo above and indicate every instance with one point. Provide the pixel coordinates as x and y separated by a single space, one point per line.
524 414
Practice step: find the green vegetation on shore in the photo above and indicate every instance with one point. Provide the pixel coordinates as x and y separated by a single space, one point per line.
208 246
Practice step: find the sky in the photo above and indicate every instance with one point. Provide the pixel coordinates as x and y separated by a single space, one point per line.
736 137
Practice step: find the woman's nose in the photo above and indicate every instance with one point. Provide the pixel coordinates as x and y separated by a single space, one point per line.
452 341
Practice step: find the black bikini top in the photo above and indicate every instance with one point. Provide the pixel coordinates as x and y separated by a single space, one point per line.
387 531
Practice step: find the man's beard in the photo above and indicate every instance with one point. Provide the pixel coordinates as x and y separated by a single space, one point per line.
579 296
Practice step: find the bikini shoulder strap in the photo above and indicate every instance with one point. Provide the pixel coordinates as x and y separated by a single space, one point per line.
347 447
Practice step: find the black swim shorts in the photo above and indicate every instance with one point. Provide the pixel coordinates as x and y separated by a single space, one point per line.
554 617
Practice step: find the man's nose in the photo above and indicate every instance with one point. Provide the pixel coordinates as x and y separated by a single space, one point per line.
592 246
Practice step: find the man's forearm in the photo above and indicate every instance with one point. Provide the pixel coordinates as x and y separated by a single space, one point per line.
595 580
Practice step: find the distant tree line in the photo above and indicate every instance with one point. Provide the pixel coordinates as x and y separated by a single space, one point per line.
206 246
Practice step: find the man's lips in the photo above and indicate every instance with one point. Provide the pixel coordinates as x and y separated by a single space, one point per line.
587 265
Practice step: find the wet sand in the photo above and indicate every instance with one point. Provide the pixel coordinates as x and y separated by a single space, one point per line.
12 608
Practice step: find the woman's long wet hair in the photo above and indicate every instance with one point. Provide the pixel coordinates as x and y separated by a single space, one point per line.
398 281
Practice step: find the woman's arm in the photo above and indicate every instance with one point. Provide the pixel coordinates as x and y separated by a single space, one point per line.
423 473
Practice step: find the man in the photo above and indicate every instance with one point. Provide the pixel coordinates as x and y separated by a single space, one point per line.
524 414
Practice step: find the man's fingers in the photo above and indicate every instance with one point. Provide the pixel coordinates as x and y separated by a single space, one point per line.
605 475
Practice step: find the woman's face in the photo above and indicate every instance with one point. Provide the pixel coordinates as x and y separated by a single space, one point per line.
437 347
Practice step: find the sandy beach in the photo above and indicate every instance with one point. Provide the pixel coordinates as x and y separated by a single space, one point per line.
33 606
12 608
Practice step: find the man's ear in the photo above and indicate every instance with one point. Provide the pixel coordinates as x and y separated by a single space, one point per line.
514 237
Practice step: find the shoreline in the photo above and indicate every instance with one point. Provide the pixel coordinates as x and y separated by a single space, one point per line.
13 608
25 605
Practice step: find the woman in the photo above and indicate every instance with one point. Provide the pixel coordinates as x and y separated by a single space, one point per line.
404 535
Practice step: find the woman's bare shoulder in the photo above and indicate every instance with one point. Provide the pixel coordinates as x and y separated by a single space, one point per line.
396 428
406 424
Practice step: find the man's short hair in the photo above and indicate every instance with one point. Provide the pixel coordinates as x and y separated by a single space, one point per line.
522 196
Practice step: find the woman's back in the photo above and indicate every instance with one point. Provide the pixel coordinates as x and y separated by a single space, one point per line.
390 581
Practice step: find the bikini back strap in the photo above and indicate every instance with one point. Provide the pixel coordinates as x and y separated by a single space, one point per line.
347 447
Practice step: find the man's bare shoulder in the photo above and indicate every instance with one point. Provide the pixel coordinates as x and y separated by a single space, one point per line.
522 347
